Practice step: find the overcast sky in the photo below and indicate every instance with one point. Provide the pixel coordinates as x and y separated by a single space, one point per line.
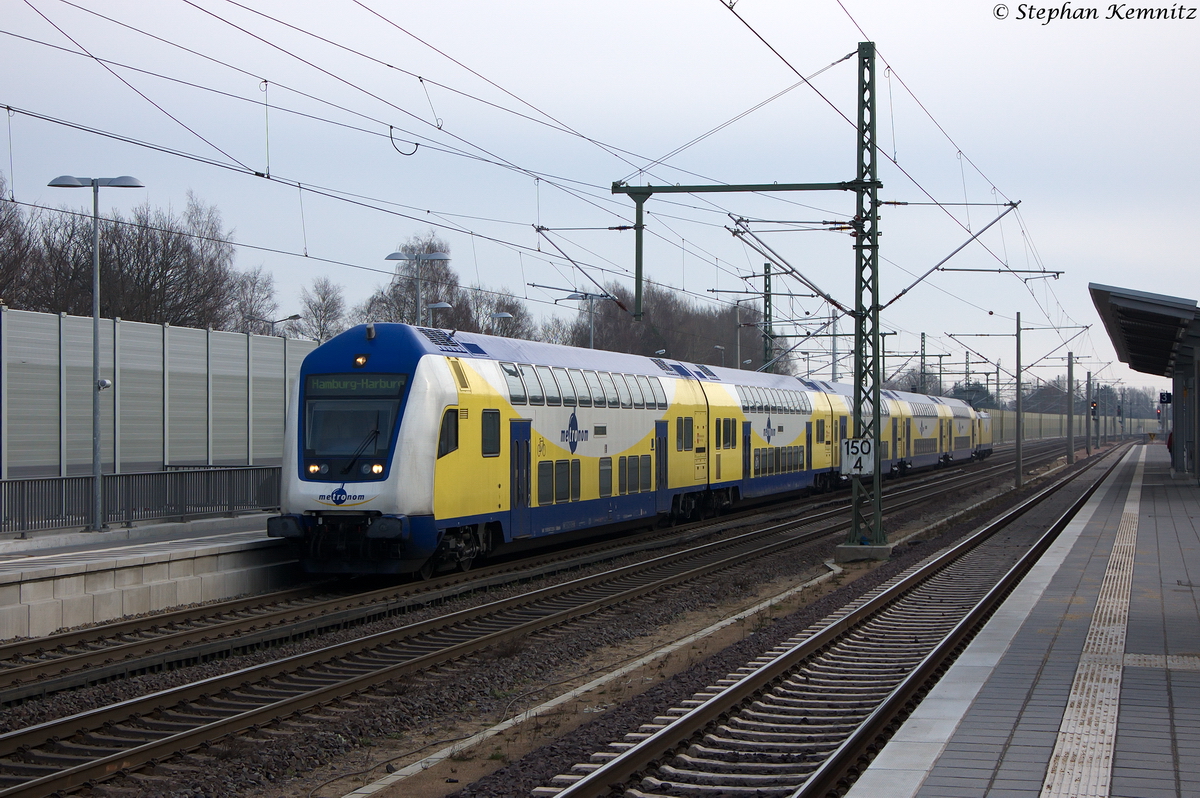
525 113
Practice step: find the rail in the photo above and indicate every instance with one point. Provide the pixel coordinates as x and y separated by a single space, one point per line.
29 505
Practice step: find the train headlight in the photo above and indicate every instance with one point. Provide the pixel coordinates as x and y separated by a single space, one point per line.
313 468
377 468
360 361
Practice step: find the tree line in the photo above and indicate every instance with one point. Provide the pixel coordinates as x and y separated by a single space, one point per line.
162 266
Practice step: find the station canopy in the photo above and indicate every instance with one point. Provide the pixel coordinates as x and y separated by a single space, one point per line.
1152 333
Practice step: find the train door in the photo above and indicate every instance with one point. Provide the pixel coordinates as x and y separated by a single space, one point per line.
895 448
839 433
808 446
518 476
660 468
907 438
746 473
700 450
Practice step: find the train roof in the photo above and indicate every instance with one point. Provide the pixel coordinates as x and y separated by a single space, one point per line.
433 341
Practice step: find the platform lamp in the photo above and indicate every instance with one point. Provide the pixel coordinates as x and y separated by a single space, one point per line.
418 259
98 385
722 349
437 306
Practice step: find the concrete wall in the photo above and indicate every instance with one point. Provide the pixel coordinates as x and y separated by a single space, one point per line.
40 601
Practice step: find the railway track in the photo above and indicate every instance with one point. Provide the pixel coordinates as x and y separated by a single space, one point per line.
804 717
39 667
68 752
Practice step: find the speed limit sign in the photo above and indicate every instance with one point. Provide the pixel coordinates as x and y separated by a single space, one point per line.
858 458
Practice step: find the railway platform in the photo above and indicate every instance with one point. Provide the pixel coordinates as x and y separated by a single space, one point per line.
1086 682
59 581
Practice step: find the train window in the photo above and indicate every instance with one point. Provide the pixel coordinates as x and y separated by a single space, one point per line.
679 434
605 477
575 480
793 405
516 388
757 462
533 384
596 388
717 434
622 484
562 480
553 397
491 433
610 389
634 465
820 430
657 389
564 385
581 388
448 438
762 404
687 433
546 482
623 391
648 392
731 433
636 389
805 405
778 402
647 473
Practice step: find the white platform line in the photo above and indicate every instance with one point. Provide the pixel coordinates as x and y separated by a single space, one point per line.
909 757
1081 766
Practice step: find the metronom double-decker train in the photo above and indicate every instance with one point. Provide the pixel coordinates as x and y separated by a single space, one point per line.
414 450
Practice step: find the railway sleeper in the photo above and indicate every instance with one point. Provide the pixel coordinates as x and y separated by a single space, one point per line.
656 788
738 746
742 766
816 722
670 773
19 772
821 703
792 728
768 707
799 736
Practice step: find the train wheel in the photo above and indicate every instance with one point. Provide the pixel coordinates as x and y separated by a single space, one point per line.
426 570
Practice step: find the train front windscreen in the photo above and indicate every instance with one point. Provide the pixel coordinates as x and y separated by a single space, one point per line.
349 424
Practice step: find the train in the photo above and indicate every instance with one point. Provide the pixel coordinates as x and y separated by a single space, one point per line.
395 435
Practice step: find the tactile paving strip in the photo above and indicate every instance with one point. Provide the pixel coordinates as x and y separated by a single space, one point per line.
1081 765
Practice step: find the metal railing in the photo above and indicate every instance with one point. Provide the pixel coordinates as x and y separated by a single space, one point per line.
28 505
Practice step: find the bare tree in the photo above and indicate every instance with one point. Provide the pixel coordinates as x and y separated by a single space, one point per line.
322 311
16 247
485 305
254 302
155 266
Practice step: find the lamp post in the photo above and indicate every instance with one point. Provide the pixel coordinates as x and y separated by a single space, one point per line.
418 259
718 346
437 306
124 181
293 317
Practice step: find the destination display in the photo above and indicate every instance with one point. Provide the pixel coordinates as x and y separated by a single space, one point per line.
374 386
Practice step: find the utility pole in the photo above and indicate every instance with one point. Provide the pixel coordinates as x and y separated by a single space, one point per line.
1070 408
1087 422
768 342
1020 431
834 362
924 387
866 496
